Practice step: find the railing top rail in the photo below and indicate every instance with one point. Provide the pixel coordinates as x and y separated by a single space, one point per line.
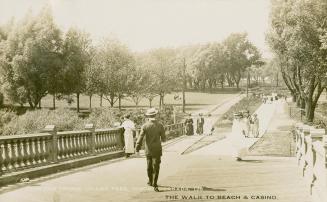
107 129
61 133
25 136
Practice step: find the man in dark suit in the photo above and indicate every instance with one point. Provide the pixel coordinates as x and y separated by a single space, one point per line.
154 133
199 124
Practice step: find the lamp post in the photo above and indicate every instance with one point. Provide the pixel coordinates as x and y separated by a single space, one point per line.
184 86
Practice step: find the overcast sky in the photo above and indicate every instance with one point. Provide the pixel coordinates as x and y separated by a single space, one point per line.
146 24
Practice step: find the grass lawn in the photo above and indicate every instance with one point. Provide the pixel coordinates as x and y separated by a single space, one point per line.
194 101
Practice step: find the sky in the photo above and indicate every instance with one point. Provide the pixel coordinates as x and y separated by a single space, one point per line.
148 24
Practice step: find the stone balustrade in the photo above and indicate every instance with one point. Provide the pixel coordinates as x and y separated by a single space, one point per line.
20 152
311 153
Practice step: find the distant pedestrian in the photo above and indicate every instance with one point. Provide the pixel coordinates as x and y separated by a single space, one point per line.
189 125
255 126
154 133
129 130
237 137
199 124
246 122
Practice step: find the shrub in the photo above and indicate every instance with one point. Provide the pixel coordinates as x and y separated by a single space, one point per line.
65 119
1 100
35 121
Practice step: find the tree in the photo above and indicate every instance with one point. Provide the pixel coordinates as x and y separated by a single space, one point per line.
31 59
240 54
77 57
160 65
296 37
116 64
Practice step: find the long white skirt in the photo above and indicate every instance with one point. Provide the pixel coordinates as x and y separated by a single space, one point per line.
239 145
129 141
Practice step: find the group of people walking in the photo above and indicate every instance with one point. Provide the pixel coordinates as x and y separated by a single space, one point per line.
249 124
153 133
244 126
189 128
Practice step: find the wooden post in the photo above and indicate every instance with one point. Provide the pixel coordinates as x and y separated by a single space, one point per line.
54 149
90 127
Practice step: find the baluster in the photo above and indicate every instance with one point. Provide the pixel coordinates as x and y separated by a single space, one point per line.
8 156
14 154
32 151
42 150
101 142
66 140
78 144
21 154
2 158
27 152
38 151
83 145
73 144
109 142
64 147
60 148
114 141
77 152
106 142
47 149
96 143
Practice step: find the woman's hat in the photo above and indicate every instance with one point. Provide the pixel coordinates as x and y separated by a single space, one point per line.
151 111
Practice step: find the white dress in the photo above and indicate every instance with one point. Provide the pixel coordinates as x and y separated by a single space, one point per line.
238 140
129 126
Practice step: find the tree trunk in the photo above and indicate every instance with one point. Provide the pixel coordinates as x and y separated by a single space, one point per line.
90 102
293 97
40 104
150 102
77 96
101 96
309 110
54 101
277 79
119 101
298 101
237 85
112 97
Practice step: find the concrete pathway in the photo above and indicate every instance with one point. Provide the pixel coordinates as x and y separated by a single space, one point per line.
200 176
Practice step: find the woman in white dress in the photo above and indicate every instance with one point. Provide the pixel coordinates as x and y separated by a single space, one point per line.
129 127
237 137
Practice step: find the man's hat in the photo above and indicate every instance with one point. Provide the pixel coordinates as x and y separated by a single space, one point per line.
237 114
151 111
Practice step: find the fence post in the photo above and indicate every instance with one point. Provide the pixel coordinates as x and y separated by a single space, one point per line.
90 127
54 146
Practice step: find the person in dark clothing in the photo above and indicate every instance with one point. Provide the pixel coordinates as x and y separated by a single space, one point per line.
154 133
199 124
189 125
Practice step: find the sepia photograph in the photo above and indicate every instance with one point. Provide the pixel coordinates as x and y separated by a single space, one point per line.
163 100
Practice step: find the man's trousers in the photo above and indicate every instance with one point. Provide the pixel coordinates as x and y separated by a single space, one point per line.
153 167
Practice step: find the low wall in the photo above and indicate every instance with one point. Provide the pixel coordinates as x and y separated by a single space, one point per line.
311 153
34 155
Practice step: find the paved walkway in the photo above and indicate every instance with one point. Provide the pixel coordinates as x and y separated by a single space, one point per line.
199 176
